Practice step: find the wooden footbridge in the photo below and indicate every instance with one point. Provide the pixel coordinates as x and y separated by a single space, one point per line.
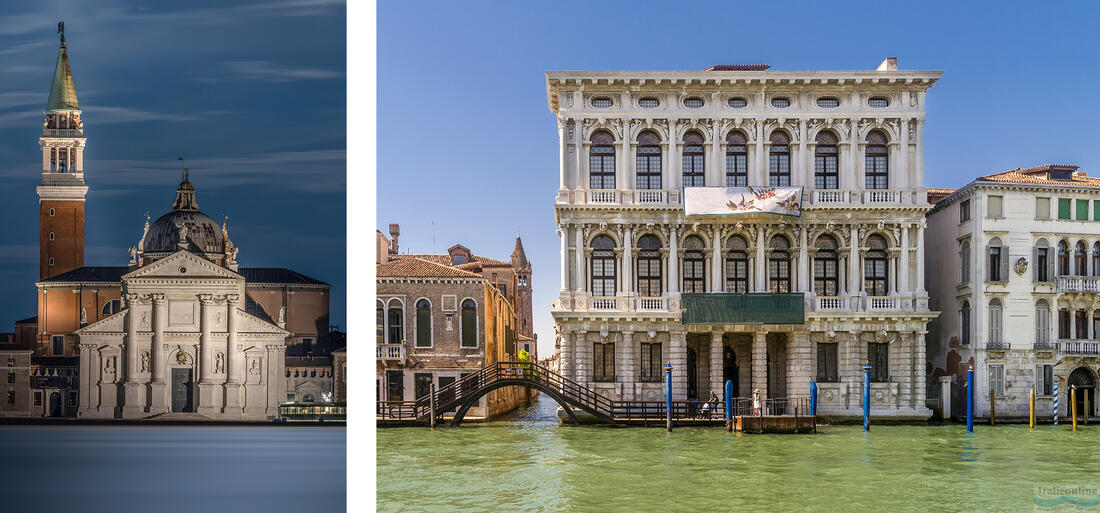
774 415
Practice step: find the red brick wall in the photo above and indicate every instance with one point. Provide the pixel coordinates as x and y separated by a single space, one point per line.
67 248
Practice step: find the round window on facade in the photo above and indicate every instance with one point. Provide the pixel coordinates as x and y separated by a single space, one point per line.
878 102
693 103
781 102
738 103
828 103
602 102
183 270
649 103
51 235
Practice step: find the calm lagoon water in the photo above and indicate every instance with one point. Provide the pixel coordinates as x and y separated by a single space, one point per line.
117 469
530 463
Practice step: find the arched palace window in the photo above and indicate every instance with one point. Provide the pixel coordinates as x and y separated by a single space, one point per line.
1080 259
825 267
601 161
649 266
694 168
876 162
603 266
875 273
779 265
396 318
648 161
737 160
737 265
779 160
694 264
825 161
469 323
1063 258
423 323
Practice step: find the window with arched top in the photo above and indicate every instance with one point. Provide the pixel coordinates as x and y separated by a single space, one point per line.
381 320
395 317
737 159
112 307
964 259
779 160
604 277
1063 258
996 322
779 264
648 160
693 161
649 266
825 161
1096 259
998 261
1042 324
1044 261
469 323
601 160
1080 259
826 267
875 270
423 323
964 323
876 161
694 265
737 265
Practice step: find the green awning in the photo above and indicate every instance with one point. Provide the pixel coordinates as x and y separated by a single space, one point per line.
743 309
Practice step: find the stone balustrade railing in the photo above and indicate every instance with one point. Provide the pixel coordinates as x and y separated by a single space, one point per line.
390 352
1079 346
1078 284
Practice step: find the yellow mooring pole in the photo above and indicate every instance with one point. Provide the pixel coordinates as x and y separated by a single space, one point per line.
1073 405
1031 410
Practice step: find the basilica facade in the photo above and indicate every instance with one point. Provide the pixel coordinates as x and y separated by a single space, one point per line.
769 302
180 329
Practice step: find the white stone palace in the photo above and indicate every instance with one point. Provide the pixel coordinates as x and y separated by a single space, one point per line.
769 302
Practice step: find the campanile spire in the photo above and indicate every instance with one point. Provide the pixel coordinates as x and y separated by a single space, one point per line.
62 189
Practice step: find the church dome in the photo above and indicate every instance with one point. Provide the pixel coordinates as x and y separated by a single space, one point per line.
185 222
203 235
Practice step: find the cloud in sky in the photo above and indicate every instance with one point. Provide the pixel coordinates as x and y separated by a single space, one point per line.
269 72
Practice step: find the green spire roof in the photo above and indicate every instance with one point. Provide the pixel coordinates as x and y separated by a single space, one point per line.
62 91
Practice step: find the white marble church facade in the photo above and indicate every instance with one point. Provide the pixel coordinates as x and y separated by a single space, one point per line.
849 270
183 343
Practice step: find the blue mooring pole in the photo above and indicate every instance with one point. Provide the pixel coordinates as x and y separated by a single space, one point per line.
1056 402
867 396
668 396
729 405
970 399
813 398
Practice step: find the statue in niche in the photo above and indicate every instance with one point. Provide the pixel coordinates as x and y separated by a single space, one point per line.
144 319
219 363
109 366
83 315
282 314
181 357
145 361
218 319
254 367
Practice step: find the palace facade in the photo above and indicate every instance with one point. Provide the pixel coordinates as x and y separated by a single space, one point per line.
1018 281
768 302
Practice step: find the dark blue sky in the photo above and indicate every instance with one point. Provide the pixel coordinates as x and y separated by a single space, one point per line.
251 93
466 138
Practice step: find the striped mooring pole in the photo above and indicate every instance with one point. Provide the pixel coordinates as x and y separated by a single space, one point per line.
729 405
1056 402
813 398
867 396
668 396
970 399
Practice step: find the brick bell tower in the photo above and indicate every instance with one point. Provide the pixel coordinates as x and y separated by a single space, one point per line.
62 189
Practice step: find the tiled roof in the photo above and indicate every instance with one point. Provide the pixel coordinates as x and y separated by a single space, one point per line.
55 361
315 361
417 267
937 190
276 275
446 259
491 261
251 274
738 67
28 320
1041 174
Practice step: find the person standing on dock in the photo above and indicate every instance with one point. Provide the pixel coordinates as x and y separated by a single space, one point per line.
756 402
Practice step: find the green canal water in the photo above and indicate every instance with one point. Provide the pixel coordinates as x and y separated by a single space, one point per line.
531 463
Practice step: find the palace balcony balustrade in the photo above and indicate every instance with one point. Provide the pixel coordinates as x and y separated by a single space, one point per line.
390 352
1079 347
62 132
674 197
666 304
1078 284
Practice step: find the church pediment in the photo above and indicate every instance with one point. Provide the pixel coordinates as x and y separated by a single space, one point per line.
248 323
115 323
182 264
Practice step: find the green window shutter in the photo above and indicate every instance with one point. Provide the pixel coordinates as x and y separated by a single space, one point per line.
1082 210
381 325
1063 208
469 327
1096 210
423 327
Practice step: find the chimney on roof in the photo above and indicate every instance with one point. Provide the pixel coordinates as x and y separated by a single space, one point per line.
395 230
888 64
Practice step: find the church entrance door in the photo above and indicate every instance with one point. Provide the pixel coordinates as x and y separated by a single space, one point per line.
181 390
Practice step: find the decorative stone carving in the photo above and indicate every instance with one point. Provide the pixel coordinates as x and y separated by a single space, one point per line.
145 361
83 315
219 363
1021 266
181 357
254 367
109 365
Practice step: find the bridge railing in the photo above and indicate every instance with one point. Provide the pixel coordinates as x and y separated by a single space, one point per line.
397 410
